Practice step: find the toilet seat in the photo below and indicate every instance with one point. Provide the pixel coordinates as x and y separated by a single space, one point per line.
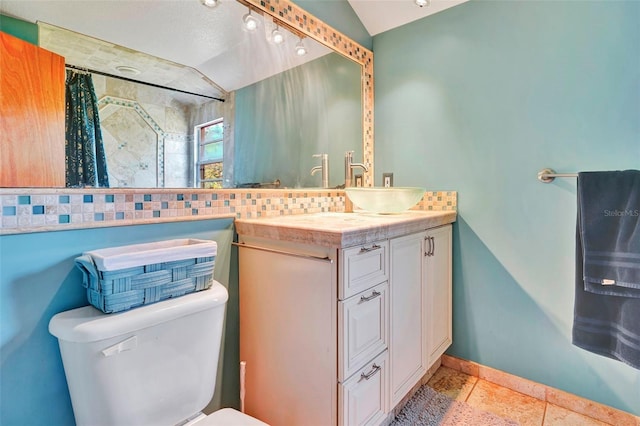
229 417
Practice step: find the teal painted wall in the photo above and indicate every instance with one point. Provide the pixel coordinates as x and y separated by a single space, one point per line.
478 99
38 279
24 30
282 121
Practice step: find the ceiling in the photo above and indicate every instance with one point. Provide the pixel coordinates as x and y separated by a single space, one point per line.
379 16
201 48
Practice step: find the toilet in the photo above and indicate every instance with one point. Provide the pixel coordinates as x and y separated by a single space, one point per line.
153 365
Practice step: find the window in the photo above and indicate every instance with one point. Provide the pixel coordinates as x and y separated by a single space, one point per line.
209 139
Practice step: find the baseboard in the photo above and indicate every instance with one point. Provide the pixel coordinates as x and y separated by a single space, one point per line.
554 396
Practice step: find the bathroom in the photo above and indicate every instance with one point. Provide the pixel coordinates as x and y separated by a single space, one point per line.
475 99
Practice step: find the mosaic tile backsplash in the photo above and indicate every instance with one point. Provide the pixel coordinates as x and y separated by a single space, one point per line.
39 210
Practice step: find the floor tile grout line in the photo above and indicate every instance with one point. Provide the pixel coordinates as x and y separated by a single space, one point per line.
510 390
472 388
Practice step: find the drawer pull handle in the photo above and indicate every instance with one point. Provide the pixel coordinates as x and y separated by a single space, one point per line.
374 294
431 251
367 250
367 376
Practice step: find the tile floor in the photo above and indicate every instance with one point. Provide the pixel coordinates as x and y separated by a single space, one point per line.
504 402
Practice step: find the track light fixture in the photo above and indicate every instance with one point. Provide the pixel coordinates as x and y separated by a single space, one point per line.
300 49
249 21
276 36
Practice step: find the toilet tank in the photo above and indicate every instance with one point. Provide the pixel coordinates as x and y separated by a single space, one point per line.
153 365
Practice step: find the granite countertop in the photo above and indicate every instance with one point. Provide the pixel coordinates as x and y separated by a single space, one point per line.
342 229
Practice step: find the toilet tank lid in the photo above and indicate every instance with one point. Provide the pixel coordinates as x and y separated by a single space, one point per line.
88 324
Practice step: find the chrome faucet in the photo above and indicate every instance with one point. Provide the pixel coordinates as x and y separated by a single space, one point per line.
323 167
349 165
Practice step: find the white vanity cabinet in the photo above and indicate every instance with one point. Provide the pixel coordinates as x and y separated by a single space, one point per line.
314 357
336 326
421 306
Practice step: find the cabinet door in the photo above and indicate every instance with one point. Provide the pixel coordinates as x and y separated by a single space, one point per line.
407 348
31 115
288 337
438 292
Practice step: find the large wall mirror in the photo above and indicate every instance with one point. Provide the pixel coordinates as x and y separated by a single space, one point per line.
267 111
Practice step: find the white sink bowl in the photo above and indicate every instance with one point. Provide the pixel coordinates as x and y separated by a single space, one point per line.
385 200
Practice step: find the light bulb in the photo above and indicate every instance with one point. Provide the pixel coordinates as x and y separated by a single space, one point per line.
423 3
300 49
250 22
277 36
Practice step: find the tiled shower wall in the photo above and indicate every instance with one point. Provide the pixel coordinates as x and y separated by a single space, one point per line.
40 210
148 132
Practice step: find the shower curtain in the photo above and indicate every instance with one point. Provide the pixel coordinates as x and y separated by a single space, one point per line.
85 156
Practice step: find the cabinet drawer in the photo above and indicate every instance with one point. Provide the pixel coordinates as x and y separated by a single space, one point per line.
363 267
363 329
362 398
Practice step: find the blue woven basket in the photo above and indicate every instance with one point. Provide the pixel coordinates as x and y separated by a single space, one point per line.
122 289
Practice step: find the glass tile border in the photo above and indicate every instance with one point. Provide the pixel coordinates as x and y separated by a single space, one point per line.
41 210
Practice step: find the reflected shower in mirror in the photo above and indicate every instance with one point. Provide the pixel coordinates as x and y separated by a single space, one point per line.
149 133
274 121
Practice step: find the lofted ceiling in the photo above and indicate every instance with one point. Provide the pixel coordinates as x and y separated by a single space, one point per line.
379 16
181 42
177 36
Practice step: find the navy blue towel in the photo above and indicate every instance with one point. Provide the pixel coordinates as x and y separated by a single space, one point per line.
607 294
609 230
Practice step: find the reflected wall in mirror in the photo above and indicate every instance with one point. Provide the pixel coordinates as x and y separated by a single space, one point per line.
323 105
283 121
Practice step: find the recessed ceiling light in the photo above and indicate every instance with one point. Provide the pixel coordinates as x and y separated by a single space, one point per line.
210 3
124 69
423 3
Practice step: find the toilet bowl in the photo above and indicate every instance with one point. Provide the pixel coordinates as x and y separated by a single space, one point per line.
153 365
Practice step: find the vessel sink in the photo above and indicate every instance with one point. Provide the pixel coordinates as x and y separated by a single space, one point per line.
385 200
